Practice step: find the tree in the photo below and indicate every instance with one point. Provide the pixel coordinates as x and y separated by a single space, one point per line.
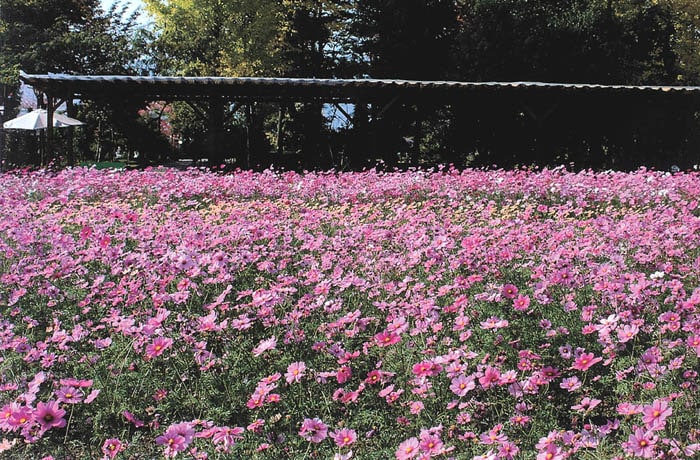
599 41
73 36
410 39
215 37
63 36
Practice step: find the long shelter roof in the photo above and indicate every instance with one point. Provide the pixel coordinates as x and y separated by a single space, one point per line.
170 88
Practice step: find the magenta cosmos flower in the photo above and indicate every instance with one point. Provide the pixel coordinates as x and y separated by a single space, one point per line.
384 339
49 415
509 291
314 430
158 346
585 361
112 447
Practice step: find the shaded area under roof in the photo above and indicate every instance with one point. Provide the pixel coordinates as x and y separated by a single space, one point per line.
170 88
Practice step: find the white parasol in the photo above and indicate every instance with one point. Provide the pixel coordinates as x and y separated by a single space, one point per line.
37 119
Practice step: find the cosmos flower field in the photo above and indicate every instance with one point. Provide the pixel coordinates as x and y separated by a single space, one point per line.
423 314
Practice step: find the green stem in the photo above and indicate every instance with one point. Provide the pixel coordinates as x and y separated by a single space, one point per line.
70 418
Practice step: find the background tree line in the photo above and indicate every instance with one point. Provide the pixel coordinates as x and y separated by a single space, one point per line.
630 42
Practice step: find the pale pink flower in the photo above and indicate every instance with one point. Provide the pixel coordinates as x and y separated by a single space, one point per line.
430 444
641 443
462 385
295 372
265 345
69 395
521 303
313 430
655 415
344 437
408 449
570 384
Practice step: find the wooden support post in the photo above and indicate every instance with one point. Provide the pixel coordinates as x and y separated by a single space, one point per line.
280 132
49 129
417 136
70 153
216 127
360 147
249 120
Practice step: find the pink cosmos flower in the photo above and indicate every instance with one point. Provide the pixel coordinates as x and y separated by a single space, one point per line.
626 408
494 322
49 415
111 447
344 374
224 438
408 449
550 452
377 376
131 418
655 415
426 369
508 450
173 443
384 339
521 303
493 436
509 291
158 346
176 438
416 407
265 345
431 444
627 332
491 377
641 443
521 420
5 414
462 385
80 383
586 405
570 384
344 437
295 372
20 416
69 395
313 430
584 361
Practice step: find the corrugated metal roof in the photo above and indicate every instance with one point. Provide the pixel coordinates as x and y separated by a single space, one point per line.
303 87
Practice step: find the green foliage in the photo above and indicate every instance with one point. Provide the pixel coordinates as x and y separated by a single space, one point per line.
216 38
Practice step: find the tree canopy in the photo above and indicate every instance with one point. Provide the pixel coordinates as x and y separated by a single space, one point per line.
591 41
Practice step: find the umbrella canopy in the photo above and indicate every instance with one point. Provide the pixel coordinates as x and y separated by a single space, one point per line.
37 119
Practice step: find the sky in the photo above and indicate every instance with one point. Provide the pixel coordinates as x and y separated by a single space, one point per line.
133 4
